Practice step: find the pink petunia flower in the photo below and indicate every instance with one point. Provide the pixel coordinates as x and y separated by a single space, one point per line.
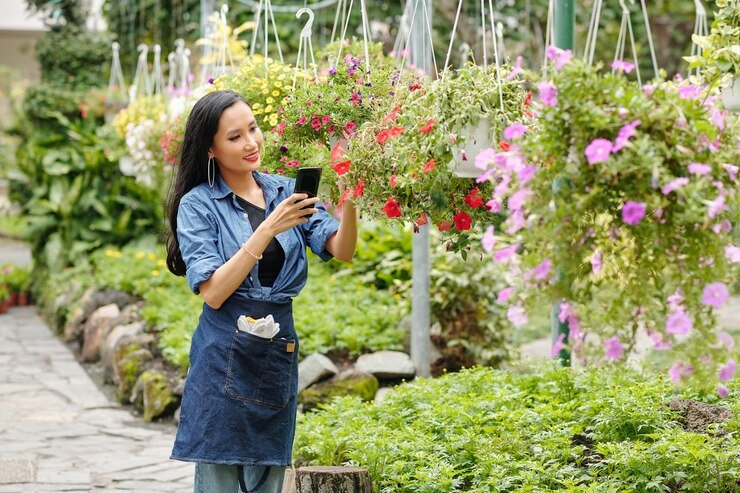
504 254
648 89
565 311
596 262
542 271
493 206
715 294
728 371
514 131
726 340
658 341
722 391
678 323
675 300
624 66
516 201
548 93
489 240
516 70
484 158
678 370
732 253
731 170
674 185
598 151
613 348
504 295
526 174
515 222
716 207
699 169
690 91
517 316
557 346
559 56
633 212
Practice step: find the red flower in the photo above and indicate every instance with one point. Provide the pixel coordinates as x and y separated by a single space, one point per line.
359 189
473 199
429 166
392 181
392 115
427 126
444 225
316 124
341 167
528 98
414 87
387 134
462 221
391 208
337 153
504 146
344 196
422 220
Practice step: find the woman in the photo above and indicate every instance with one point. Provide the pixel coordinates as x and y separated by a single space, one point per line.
240 237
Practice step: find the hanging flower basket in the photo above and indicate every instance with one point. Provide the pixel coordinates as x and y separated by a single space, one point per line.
731 95
476 139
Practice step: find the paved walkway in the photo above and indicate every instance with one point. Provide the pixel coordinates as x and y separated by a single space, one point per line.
58 432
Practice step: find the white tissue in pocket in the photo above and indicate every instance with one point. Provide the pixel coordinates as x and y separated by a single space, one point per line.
262 327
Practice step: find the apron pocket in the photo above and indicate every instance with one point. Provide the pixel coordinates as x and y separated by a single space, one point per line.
260 370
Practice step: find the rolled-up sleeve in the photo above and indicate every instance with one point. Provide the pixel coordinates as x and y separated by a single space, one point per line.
319 228
197 233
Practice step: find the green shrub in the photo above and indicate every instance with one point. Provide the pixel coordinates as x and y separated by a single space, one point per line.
74 58
483 430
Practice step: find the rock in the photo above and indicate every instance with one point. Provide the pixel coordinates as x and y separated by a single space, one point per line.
153 396
107 297
334 479
349 382
74 327
314 368
177 415
289 485
97 327
381 394
387 364
130 362
130 313
107 351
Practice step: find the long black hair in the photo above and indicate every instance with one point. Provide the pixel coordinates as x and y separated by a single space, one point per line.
193 168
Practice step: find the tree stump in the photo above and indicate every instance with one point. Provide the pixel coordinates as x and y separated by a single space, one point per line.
333 480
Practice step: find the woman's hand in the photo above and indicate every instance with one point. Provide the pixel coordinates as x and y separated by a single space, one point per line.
288 213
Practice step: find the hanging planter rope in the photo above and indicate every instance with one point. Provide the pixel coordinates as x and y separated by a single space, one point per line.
269 16
117 96
305 46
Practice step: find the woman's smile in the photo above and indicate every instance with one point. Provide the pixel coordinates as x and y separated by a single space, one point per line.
253 157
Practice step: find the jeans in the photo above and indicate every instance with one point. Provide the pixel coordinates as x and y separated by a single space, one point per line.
219 478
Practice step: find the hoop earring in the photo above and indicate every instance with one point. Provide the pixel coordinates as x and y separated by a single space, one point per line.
211 172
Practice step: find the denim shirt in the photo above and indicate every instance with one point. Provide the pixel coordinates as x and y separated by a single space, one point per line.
212 226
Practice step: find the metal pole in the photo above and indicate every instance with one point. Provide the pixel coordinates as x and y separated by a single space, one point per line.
206 9
565 23
420 311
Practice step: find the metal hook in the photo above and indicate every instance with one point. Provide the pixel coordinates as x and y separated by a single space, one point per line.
116 47
143 49
306 31
157 50
700 10
625 10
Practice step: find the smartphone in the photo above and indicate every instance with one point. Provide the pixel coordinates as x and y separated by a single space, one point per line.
307 181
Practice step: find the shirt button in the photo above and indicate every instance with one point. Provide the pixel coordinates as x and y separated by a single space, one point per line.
246 216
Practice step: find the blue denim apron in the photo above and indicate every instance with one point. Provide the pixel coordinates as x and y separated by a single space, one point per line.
240 397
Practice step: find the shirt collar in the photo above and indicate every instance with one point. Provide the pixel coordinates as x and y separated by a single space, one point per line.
271 187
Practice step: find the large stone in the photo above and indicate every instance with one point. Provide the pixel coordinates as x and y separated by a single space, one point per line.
131 361
96 329
153 396
349 382
107 351
314 368
75 326
107 297
387 365
381 394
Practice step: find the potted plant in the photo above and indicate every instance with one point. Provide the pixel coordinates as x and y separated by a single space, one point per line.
4 298
619 210
406 159
720 56
22 280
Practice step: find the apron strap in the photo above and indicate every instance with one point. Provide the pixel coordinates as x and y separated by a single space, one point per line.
243 485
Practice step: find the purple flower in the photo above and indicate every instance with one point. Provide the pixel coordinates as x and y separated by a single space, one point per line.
283 149
613 348
633 212
674 185
493 206
648 89
517 316
718 117
726 340
489 240
210 80
690 91
548 93
679 370
516 201
596 262
515 222
565 311
504 254
731 170
625 134
716 206
333 71
675 300
504 295
559 56
658 341
622 65
678 323
727 371
699 169
485 158
541 271
526 174
557 346
598 151
514 131
715 294
732 253
516 70
722 391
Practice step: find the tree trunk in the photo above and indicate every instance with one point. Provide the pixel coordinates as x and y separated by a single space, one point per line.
333 480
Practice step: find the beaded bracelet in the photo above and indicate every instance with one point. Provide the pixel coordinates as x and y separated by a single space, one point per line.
244 247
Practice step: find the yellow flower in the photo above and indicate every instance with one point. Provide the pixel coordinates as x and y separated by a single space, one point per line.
161 263
139 255
155 273
257 112
265 91
117 254
256 106
270 100
268 108
276 93
280 77
152 256
109 253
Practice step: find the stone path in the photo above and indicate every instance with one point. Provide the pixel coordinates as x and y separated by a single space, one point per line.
58 432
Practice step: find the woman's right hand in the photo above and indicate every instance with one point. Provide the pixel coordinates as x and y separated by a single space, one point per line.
289 214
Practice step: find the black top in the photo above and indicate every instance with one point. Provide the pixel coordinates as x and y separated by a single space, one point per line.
273 257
